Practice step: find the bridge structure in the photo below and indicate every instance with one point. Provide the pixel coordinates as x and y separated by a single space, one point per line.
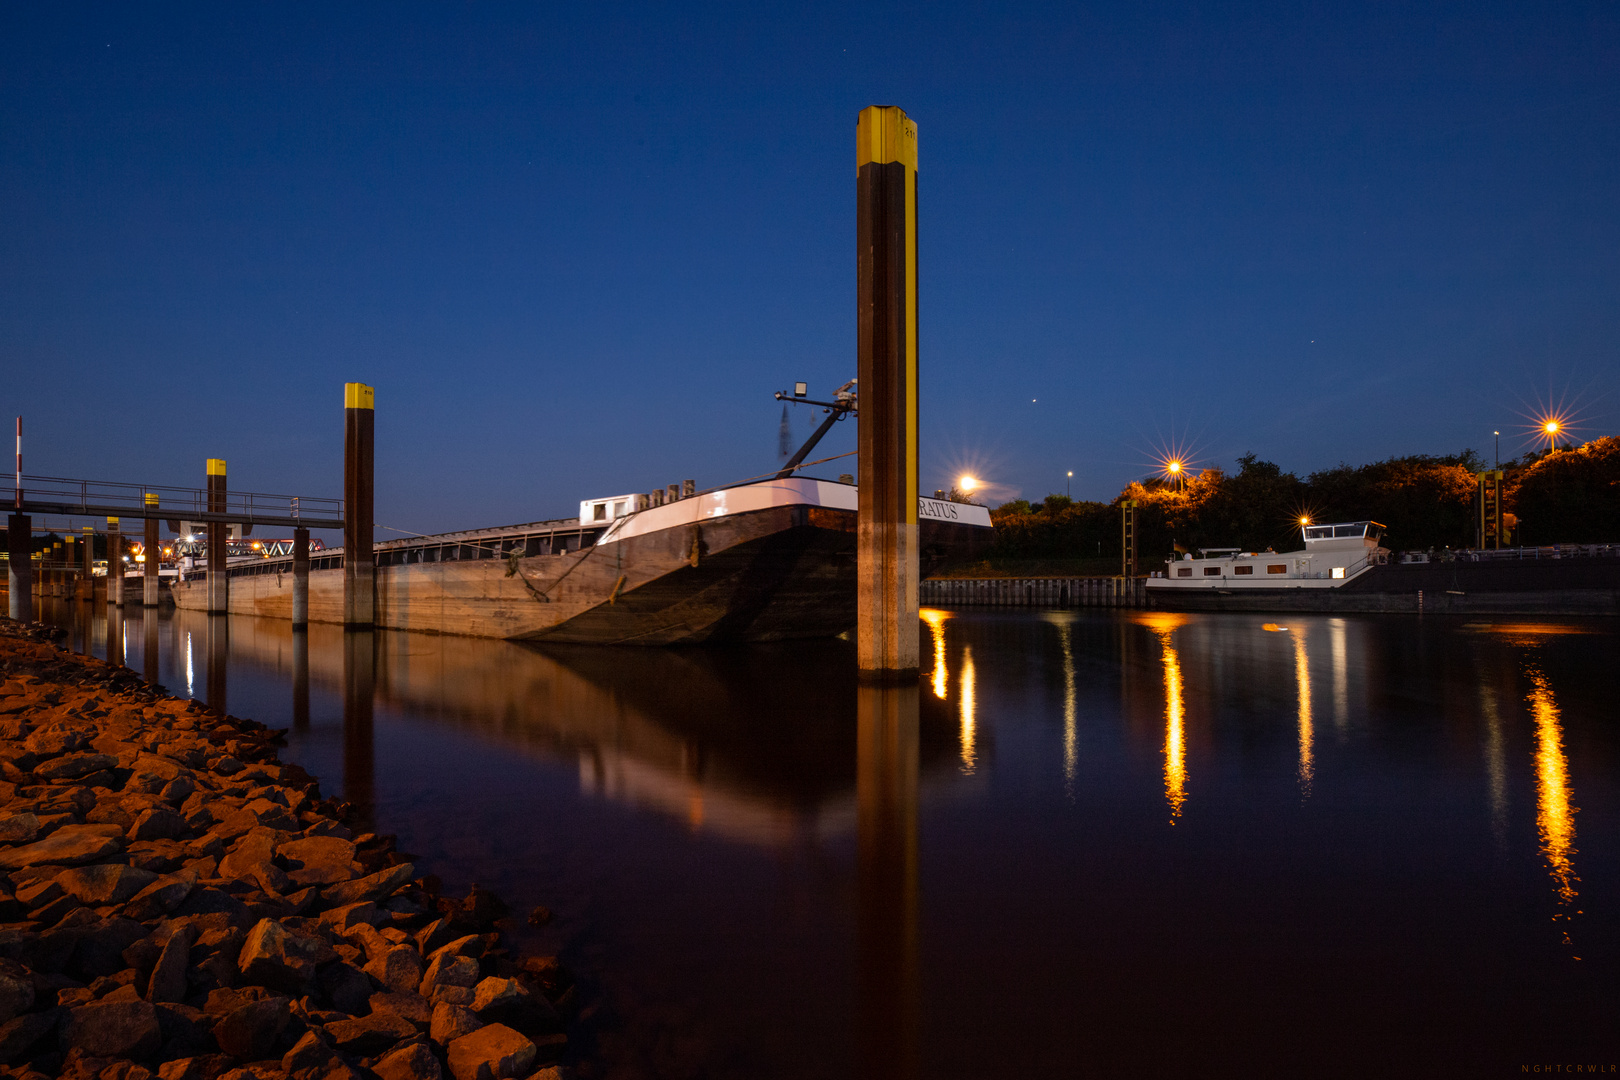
63 572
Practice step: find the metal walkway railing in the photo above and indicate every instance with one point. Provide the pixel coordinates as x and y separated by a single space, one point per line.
101 498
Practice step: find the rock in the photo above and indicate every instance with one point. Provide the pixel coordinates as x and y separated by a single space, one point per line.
374 887
409 1005
105 883
19 1035
370 1035
540 916
273 957
74 766
343 919
309 1059
413 1062
454 995
320 860
451 1022
16 990
202 1067
249 1032
19 828
251 851
168 981
162 896
39 893
227 765
495 991
159 824
346 987
70 845
101 945
449 970
58 739
399 969
185 1030
493 1052
122 1029
178 790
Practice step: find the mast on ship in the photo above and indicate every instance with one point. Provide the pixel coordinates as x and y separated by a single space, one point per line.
844 403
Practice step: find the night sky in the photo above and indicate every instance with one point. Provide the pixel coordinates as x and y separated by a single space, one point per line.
577 247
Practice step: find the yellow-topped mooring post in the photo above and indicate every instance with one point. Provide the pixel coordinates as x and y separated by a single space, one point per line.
153 554
219 584
886 370
359 467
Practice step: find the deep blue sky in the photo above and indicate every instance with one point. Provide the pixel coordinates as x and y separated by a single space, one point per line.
576 247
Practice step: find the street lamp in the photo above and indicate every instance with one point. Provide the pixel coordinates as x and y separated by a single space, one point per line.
1067 483
967 483
1498 435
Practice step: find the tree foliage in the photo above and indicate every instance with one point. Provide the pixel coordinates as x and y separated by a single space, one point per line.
1424 501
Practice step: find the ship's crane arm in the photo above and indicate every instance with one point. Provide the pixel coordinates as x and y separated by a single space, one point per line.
845 401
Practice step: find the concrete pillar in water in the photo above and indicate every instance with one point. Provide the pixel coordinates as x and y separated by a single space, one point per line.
20 570
115 563
87 564
359 459
300 599
887 636
219 583
153 556
887 1013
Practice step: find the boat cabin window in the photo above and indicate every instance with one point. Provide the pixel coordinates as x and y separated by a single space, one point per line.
1185 571
1341 532
1319 532
1242 569
1212 571
1277 568
600 512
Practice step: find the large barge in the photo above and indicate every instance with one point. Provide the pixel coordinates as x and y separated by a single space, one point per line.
762 561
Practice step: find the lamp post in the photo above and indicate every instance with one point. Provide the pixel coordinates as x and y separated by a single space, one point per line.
1498 435
1067 483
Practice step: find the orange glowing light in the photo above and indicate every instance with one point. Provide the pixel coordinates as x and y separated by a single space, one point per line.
967 483
1305 520
1555 809
1174 466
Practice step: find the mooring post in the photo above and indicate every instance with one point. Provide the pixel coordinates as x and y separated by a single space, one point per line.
887 635
359 573
115 563
153 554
115 638
20 566
300 605
219 584
87 564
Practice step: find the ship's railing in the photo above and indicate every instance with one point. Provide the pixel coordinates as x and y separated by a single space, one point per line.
1551 551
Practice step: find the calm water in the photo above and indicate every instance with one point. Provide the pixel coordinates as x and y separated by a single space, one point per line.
1118 843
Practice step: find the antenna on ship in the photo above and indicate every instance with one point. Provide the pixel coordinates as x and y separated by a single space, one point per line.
844 402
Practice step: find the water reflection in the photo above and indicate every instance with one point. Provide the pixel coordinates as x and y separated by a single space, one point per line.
886 794
149 646
115 637
1164 625
1495 762
969 707
1555 816
1071 736
1307 733
300 686
935 619
1341 677
359 692
219 651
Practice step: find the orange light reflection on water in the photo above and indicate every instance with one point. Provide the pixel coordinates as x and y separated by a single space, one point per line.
969 719
1163 625
1555 817
936 627
1307 731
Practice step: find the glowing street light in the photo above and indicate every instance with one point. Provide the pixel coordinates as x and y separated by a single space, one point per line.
967 483
1067 483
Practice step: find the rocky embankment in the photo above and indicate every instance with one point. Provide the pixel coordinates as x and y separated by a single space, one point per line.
177 902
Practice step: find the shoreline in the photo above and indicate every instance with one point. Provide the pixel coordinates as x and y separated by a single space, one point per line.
179 903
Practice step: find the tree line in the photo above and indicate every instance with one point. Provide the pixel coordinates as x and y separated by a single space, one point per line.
1426 502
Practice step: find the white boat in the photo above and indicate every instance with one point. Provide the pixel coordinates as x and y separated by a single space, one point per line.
1334 556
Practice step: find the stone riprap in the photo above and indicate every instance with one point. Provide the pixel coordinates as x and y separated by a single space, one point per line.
177 903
